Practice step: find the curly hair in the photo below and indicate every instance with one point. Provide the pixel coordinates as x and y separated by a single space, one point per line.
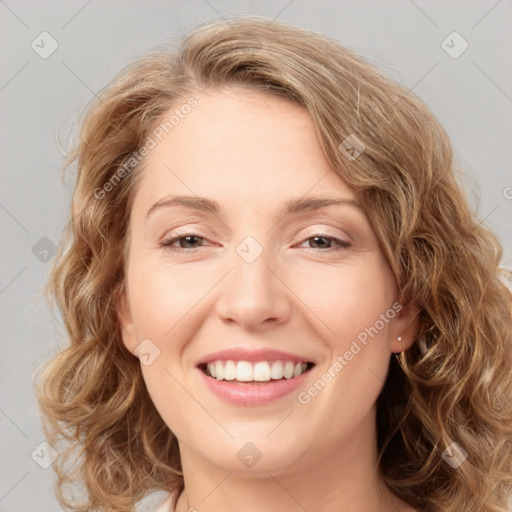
454 385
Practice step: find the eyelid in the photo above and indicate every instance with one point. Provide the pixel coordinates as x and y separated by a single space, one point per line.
325 228
190 228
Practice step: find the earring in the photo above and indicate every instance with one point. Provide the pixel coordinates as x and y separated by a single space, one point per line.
399 339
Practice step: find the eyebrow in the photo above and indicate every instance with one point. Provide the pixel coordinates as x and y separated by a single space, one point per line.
292 206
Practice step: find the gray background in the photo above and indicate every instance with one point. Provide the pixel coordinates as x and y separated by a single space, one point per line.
471 95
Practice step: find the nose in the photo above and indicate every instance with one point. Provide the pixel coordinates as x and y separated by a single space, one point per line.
254 295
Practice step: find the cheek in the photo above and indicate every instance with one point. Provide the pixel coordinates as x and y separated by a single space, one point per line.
360 316
350 299
163 299
162 294
355 304
352 304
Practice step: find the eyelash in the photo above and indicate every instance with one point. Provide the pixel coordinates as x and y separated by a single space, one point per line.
342 245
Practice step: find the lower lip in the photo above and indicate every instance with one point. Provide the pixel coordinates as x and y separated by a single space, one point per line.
253 393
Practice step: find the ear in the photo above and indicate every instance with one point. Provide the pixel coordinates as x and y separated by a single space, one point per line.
405 328
125 320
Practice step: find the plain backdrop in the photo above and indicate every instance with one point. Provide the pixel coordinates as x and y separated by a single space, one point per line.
41 94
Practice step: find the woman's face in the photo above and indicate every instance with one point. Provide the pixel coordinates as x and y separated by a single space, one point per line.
309 285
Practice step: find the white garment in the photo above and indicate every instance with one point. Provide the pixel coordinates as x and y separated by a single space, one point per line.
165 506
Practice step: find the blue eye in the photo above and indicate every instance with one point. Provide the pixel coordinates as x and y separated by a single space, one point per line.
191 239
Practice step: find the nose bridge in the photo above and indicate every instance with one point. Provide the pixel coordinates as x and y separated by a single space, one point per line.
252 293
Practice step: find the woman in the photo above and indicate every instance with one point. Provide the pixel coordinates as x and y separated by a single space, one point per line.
276 294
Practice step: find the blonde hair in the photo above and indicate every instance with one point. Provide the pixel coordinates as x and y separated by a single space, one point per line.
454 385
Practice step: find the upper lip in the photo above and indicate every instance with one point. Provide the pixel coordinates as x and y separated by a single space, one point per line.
241 354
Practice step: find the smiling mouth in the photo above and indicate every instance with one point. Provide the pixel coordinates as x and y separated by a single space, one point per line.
262 372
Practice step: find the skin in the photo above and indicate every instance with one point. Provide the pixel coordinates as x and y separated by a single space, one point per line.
251 152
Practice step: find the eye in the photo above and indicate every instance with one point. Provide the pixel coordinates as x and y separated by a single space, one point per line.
320 239
189 241
189 238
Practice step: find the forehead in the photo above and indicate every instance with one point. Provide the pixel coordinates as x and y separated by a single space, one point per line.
240 146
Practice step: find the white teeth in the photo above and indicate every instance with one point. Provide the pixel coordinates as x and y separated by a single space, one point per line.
262 371
277 370
219 370
243 371
288 370
229 371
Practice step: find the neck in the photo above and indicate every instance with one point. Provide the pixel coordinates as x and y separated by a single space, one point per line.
323 480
